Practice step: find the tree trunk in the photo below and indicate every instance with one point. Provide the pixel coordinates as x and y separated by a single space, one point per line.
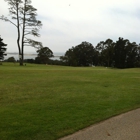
18 39
23 33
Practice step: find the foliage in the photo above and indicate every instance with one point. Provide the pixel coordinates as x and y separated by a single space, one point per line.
119 54
11 59
109 52
55 62
125 53
80 55
40 102
26 23
29 60
2 49
105 52
138 57
43 55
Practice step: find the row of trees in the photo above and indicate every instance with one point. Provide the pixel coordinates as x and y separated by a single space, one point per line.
119 54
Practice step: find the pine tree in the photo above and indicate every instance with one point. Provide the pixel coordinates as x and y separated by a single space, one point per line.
26 23
2 49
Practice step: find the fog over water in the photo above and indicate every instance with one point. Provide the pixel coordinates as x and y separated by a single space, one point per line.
30 55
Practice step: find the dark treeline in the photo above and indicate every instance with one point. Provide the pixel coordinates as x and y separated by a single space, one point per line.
119 54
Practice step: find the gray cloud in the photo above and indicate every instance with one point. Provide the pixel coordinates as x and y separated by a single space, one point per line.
67 23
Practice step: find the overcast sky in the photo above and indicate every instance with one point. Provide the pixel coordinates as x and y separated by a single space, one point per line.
67 23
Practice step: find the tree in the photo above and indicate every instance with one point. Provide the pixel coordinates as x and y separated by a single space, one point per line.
120 53
43 55
80 55
26 23
105 51
84 53
69 58
2 49
126 54
138 56
11 59
131 55
100 48
108 52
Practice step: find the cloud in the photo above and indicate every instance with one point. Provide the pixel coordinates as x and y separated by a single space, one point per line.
67 23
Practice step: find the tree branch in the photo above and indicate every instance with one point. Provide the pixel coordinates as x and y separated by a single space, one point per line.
7 20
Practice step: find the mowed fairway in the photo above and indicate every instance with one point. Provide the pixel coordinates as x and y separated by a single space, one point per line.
40 102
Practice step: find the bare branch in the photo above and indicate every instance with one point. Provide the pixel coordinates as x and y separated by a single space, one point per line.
7 20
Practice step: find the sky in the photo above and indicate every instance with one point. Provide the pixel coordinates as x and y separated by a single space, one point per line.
67 23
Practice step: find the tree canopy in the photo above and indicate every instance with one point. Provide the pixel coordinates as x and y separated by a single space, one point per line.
43 55
119 54
80 55
11 59
2 49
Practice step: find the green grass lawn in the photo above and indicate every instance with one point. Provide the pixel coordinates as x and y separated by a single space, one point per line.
41 102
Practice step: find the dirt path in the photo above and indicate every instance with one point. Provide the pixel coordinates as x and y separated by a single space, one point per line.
122 127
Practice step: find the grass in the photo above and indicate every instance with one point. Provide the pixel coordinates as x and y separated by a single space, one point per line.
40 102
